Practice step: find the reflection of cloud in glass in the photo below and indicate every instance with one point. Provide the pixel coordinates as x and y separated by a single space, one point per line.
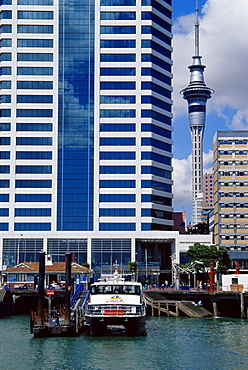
76 128
123 99
77 107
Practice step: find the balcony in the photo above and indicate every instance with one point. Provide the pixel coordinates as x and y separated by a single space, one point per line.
223 168
227 231
242 242
228 178
227 242
243 156
226 220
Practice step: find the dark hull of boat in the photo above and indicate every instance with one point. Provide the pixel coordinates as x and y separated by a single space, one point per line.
134 326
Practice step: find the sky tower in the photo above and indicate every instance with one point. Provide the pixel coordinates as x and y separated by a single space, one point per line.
197 94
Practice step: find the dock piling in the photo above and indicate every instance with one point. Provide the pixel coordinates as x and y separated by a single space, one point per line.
67 287
215 308
242 305
177 310
40 306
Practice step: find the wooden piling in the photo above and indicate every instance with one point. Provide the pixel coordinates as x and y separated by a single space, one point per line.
159 309
41 290
242 306
167 309
177 310
215 308
67 287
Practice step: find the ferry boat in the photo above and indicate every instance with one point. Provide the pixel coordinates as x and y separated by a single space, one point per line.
114 302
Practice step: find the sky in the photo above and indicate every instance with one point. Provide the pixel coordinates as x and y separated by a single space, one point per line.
224 51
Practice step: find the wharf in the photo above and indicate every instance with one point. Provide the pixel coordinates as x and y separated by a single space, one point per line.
22 301
217 303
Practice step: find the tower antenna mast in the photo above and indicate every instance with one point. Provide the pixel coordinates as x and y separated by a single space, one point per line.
197 30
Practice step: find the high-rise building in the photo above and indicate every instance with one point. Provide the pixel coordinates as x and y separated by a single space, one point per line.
208 191
231 193
85 121
179 219
197 94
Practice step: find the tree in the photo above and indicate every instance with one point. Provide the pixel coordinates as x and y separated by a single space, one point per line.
206 254
224 260
132 266
86 264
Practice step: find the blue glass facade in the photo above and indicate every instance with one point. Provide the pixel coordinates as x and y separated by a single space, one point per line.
86 135
76 115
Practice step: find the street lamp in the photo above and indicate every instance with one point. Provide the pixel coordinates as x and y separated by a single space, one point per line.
18 250
173 257
146 261
137 271
193 264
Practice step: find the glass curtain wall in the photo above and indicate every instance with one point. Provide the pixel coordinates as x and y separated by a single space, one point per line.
21 250
57 248
107 252
76 115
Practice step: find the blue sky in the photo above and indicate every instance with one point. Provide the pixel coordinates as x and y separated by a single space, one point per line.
182 7
224 50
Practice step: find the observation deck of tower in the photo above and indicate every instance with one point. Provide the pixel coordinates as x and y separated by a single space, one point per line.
197 94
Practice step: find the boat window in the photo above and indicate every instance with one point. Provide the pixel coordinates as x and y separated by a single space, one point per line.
115 289
128 289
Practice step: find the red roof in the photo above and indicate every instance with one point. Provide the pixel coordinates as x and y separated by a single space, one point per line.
33 267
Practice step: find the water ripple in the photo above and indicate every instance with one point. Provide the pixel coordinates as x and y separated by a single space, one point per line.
170 344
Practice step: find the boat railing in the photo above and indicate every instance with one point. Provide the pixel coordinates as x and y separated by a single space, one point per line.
114 310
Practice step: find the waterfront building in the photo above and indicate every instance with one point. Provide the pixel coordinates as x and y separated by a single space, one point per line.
235 282
25 275
231 194
197 94
86 129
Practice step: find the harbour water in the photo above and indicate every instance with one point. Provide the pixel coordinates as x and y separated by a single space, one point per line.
170 344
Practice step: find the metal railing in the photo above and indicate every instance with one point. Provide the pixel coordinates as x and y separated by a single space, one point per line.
114 310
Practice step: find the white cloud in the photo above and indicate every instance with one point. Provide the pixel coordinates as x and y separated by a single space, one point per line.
207 162
182 178
223 46
182 182
239 120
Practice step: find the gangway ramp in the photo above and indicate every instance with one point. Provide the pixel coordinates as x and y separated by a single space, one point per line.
2 294
193 310
160 305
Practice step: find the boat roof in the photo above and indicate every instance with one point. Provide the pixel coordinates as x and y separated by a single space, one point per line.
116 282
115 278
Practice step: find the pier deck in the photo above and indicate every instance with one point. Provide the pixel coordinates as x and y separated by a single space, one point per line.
179 303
